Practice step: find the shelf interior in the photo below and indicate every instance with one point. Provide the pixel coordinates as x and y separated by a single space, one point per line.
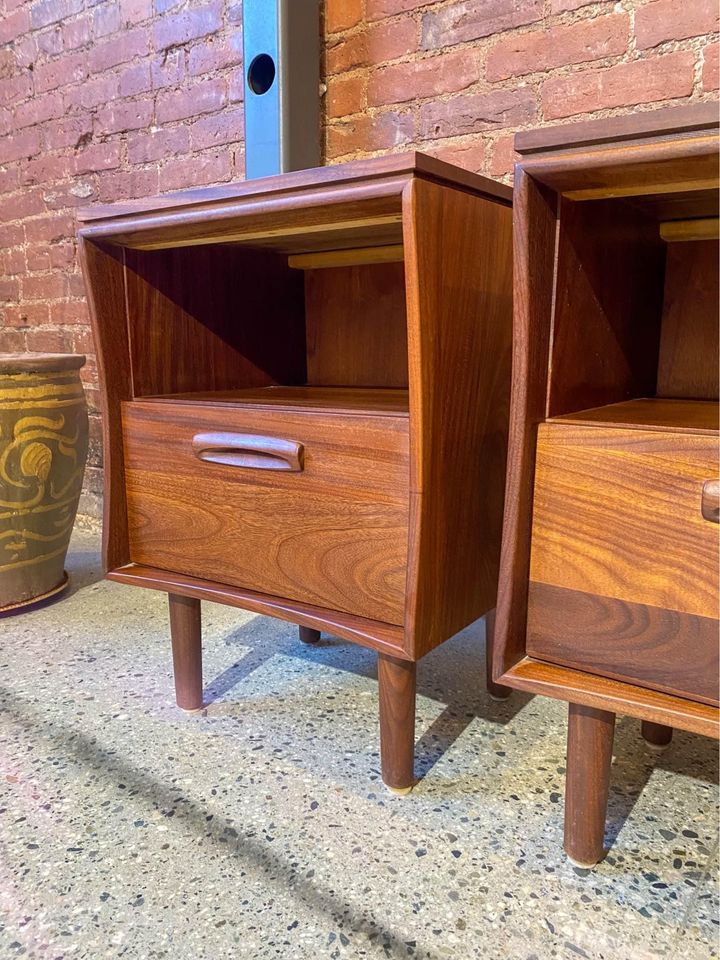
652 413
341 400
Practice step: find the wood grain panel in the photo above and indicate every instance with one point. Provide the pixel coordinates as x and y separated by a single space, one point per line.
654 413
534 230
606 324
328 399
333 535
689 340
187 336
618 513
459 345
368 633
627 699
104 274
662 649
356 326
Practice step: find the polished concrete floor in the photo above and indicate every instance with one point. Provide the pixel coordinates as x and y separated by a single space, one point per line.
260 828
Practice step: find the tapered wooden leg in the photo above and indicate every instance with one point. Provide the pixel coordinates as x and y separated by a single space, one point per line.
308 635
185 632
657 735
587 781
496 690
396 680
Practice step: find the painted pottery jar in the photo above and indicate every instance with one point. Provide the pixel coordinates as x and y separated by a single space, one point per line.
43 448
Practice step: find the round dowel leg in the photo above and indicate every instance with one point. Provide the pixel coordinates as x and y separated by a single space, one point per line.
308 635
185 633
396 680
589 753
496 690
656 735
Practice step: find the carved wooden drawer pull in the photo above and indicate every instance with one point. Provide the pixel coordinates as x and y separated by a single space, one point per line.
249 450
711 500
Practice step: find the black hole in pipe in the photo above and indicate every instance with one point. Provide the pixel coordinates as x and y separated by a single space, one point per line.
261 73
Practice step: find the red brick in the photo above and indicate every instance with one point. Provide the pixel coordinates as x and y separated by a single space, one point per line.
189 25
206 96
417 79
50 41
97 156
376 9
641 81
6 122
542 50
129 184
38 256
61 254
711 67
17 146
470 156
168 69
342 14
213 54
94 91
44 12
124 115
9 179
135 80
345 95
77 194
9 289
15 88
50 287
473 19
68 132
12 341
11 234
135 11
475 112
13 262
39 109
26 315
366 133
24 51
51 228
48 341
376 44
60 72
46 169
561 6
76 285
119 49
27 203
76 33
106 19
662 20
502 156
14 25
152 145
69 312
224 127
198 169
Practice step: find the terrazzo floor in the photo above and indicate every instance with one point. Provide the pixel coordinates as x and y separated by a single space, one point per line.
260 828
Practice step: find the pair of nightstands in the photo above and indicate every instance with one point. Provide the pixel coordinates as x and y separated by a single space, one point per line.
306 385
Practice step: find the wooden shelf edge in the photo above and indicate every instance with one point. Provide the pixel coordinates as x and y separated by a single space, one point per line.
562 683
383 637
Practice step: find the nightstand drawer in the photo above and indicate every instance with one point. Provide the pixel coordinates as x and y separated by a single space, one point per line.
624 565
299 504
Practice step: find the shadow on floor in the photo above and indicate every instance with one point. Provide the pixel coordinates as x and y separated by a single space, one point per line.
194 819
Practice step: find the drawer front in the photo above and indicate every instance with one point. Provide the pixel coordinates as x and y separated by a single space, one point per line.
624 567
330 528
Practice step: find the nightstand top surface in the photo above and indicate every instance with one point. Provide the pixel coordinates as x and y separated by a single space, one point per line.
643 125
334 177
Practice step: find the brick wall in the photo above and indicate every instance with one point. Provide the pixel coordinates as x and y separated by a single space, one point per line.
110 99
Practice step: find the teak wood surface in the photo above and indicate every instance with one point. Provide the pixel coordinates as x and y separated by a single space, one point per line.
239 309
608 589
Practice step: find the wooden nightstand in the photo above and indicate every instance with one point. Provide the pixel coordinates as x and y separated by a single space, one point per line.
608 593
306 389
